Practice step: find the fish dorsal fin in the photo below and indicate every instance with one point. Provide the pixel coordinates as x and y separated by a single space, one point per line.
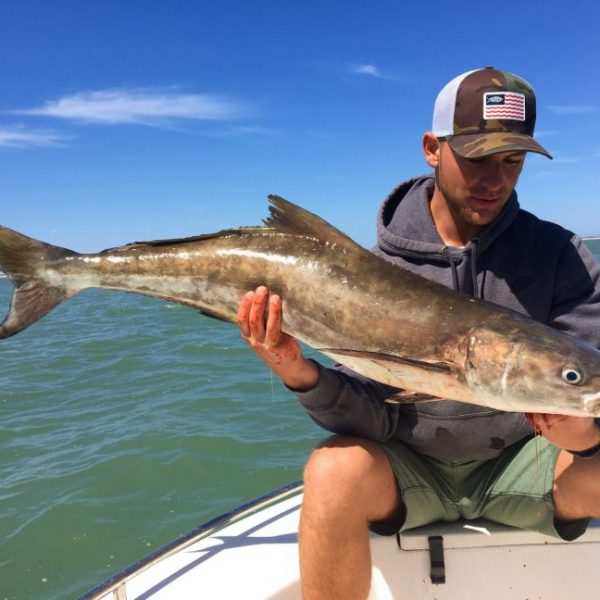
184 240
284 217
290 218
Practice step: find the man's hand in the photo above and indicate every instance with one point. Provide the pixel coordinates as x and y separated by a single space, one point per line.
278 350
570 433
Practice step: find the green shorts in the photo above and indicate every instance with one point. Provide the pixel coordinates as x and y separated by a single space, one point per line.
514 488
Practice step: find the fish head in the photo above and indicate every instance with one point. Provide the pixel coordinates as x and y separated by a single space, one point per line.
532 368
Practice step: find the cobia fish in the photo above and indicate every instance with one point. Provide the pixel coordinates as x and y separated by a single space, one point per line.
381 320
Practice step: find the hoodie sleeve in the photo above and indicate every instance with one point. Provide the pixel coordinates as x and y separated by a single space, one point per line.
576 306
346 403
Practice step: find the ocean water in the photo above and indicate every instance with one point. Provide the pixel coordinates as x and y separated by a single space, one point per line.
126 421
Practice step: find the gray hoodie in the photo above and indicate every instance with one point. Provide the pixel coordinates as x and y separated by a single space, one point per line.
520 262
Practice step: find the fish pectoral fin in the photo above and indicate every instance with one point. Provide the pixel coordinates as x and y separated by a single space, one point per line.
213 315
407 397
390 358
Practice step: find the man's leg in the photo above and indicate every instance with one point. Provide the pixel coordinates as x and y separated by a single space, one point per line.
576 491
348 482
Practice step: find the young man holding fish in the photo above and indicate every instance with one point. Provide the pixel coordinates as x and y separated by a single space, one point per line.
394 466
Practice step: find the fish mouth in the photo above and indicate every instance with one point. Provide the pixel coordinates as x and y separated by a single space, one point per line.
591 403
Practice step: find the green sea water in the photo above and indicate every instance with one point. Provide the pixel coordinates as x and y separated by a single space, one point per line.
126 421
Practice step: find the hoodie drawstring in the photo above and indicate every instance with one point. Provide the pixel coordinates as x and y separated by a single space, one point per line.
454 271
476 291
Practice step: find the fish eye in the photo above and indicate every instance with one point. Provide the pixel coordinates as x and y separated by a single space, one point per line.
571 375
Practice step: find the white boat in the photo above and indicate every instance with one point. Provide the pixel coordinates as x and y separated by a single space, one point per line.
252 554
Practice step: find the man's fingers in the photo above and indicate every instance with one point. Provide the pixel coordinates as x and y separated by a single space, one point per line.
273 330
256 318
545 422
244 313
252 318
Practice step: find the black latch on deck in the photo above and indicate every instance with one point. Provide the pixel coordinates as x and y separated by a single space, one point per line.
436 559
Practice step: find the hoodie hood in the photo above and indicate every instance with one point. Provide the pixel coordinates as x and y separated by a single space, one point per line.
406 232
405 226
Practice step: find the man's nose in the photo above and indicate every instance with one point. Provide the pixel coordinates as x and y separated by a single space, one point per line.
492 176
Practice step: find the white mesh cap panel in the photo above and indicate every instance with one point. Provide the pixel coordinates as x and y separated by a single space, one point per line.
443 110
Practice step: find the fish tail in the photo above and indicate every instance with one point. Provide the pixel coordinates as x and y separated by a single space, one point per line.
23 260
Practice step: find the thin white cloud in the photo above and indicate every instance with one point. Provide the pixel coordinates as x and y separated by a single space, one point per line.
544 133
157 107
319 134
573 109
545 174
17 136
368 69
558 158
236 130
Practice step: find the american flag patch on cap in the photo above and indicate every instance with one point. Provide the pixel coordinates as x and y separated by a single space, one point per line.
504 105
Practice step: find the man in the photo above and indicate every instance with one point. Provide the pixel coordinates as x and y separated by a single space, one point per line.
392 467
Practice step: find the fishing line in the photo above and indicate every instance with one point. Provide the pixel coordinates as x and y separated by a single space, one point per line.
538 436
273 395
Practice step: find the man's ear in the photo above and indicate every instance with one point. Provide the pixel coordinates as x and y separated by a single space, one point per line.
431 149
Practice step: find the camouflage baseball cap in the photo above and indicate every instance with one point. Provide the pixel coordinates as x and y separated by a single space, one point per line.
486 111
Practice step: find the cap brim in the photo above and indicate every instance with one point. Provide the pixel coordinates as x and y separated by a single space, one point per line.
475 145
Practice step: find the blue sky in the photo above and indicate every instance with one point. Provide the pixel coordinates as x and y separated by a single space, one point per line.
122 121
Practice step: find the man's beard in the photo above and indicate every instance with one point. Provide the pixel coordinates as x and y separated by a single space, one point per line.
460 209
454 206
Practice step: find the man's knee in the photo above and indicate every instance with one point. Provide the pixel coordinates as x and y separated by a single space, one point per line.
576 491
346 470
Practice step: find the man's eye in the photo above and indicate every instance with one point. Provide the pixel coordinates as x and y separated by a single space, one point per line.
515 160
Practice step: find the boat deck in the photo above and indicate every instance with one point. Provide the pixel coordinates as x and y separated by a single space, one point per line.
253 554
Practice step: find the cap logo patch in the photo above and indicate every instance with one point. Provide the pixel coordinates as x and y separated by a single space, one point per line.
504 105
